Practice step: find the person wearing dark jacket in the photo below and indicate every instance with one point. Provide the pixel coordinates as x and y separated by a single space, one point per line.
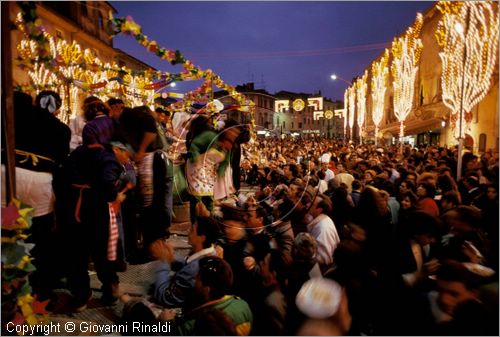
235 154
42 143
92 231
140 129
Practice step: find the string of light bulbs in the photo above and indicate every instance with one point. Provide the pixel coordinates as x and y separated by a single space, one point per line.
380 75
406 52
361 87
468 35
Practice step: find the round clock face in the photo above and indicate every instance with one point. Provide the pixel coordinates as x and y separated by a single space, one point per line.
298 105
328 114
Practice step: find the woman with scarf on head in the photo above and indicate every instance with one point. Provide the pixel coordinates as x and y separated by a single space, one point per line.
40 148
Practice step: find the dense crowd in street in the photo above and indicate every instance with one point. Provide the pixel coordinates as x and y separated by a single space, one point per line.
334 239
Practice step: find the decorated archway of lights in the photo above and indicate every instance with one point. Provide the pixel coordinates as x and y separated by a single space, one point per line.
361 87
406 51
468 37
53 63
380 74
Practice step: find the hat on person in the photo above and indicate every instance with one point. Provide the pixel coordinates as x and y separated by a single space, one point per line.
325 158
48 100
319 298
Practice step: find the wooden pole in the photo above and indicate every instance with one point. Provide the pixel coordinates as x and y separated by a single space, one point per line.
8 140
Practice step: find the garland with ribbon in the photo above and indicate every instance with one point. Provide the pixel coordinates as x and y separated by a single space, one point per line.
18 306
72 67
128 26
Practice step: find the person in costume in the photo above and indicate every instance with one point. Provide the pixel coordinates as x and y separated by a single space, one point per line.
207 159
95 173
143 132
42 143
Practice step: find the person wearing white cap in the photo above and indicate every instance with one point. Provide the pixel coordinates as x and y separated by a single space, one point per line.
325 162
325 304
325 157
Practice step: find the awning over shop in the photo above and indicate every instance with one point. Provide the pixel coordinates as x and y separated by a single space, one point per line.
424 118
414 127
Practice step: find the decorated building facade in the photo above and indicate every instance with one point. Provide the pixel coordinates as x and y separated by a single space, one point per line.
81 23
429 119
306 115
286 113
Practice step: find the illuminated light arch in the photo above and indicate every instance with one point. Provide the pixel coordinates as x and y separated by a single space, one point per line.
380 75
352 107
406 52
361 88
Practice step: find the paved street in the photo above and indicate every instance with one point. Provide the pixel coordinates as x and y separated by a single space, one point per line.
364 136
136 281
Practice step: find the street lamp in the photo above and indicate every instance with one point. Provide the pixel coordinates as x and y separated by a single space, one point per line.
335 77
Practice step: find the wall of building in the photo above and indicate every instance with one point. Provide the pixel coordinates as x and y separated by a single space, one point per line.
81 22
428 110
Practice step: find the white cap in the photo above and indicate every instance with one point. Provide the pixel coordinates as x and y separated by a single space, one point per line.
319 298
218 105
325 158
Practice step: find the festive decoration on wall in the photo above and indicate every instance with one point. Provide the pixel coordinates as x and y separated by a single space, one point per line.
468 36
316 103
352 107
42 77
328 114
317 115
380 74
406 52
281 105
18 305
72 70
361 87
67 69
129 27
298 105
346 109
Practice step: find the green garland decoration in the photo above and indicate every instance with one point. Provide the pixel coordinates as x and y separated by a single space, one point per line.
18 305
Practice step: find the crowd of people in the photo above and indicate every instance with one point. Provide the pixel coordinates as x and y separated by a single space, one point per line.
334 239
